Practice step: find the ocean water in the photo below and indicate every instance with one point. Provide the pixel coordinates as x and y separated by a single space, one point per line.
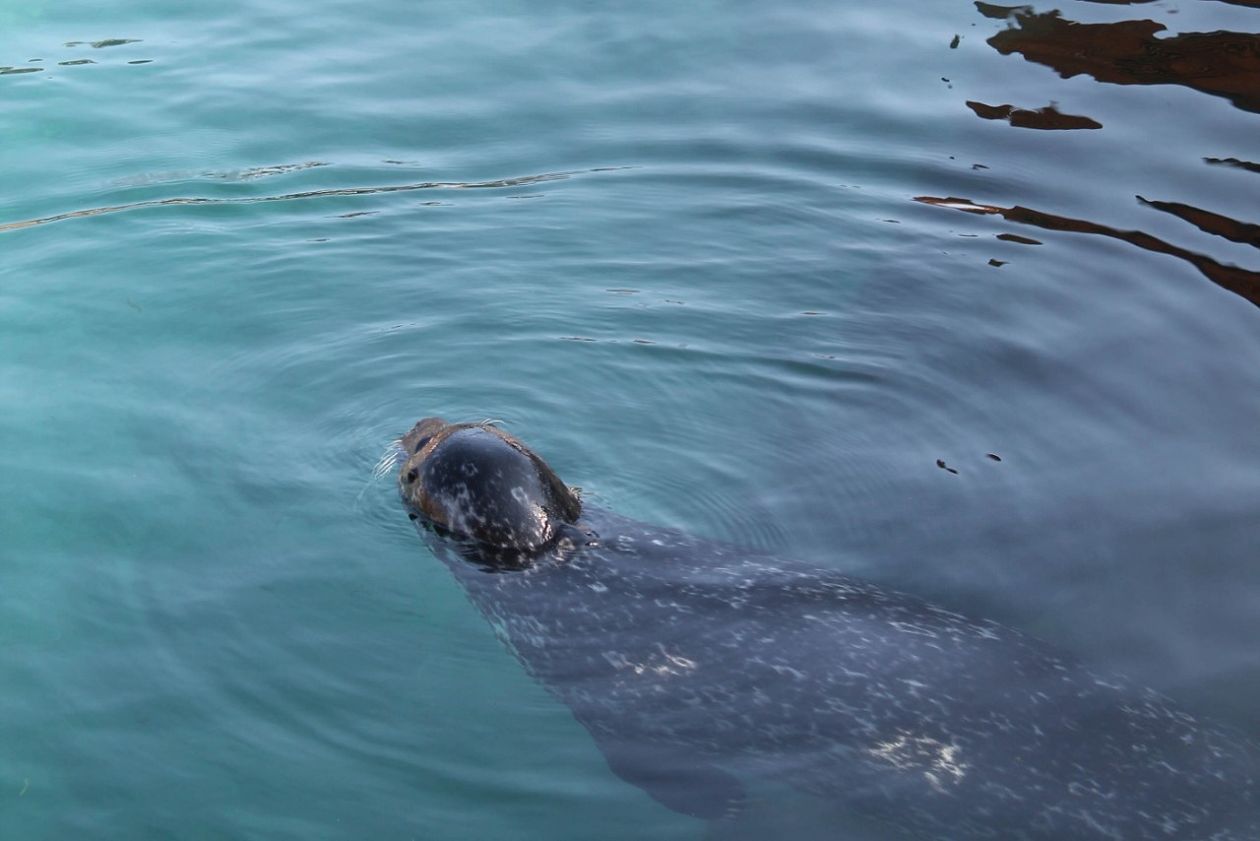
749 270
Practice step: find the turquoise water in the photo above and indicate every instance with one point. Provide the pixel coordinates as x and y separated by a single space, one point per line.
675 247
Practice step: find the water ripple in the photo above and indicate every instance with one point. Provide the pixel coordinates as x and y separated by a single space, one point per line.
499 183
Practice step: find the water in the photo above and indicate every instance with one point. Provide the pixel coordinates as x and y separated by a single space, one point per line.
677 248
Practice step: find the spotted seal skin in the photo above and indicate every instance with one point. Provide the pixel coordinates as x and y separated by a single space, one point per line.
477 482
698 667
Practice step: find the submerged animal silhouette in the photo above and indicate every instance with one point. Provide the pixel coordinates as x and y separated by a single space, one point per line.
697 666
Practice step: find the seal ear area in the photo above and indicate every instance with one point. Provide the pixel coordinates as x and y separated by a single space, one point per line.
422 433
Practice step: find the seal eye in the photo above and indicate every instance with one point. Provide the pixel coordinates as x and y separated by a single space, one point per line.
411 475
420 444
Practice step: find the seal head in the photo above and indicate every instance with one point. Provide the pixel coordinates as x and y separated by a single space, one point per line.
478 483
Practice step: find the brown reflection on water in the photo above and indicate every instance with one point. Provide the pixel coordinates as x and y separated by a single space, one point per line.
1209 222
1225 64
1242 282
1234 162
1043 118
1254 4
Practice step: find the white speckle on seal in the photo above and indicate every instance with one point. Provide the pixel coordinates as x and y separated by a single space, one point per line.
781 669
913 628
667 664
913 685
938 761
619 661
676 660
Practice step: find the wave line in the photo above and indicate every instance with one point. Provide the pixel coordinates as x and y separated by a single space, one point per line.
520 181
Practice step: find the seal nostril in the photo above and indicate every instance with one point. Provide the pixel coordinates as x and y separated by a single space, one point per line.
413 517
420 444
411 475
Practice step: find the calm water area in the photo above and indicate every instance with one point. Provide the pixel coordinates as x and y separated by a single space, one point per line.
750 270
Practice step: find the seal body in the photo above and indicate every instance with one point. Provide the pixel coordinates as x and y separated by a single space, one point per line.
698 667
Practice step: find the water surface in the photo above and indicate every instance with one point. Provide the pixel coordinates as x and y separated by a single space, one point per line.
745 270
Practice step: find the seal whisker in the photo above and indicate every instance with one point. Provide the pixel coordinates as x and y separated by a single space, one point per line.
389 460
385 466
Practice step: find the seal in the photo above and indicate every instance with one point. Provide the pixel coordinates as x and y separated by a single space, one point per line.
478 483
700 668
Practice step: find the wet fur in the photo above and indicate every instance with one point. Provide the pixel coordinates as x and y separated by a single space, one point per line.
477 482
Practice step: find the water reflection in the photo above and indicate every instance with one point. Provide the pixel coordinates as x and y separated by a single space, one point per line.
1209 222
1222 64
1048 117
108 42
1255 4
1234 162
1225 64
7 70
1240 281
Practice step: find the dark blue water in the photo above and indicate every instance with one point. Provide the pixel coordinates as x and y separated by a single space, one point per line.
732 268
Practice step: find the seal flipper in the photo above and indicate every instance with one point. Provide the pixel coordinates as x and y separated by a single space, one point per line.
676 780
